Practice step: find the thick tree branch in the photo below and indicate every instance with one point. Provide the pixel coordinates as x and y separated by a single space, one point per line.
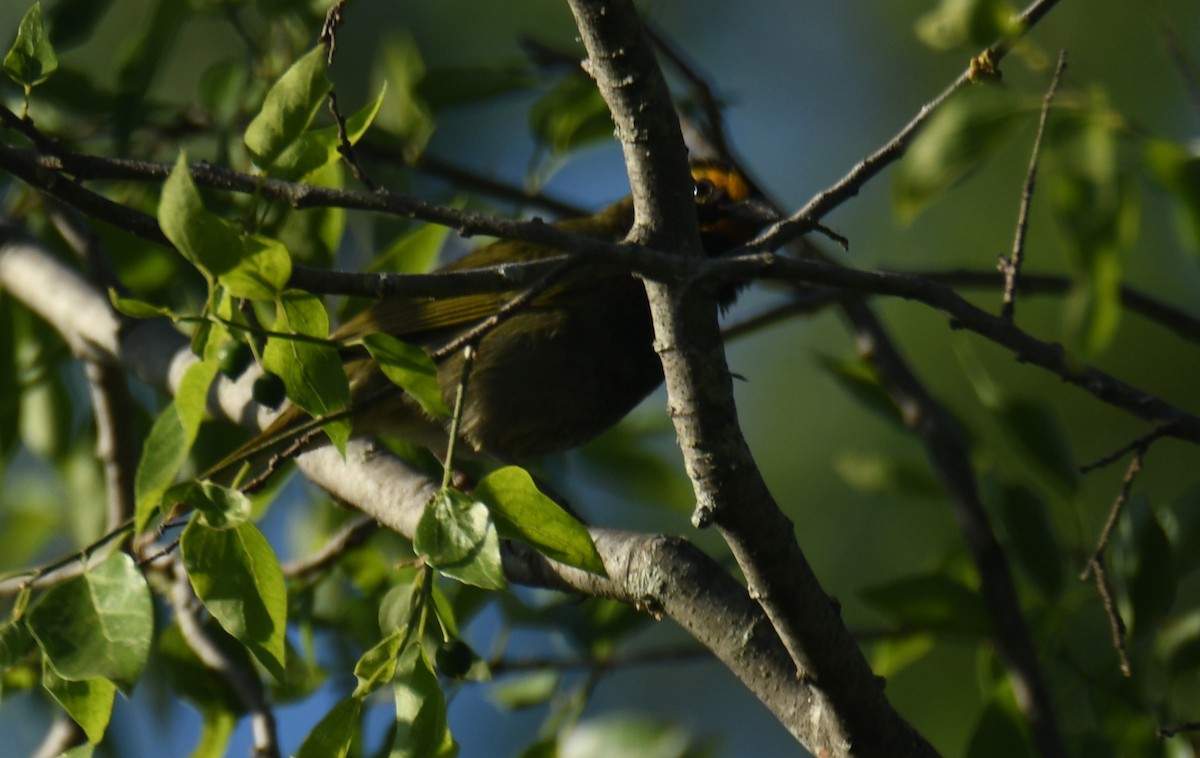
853 715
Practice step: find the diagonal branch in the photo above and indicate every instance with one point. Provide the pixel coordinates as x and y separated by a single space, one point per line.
852 714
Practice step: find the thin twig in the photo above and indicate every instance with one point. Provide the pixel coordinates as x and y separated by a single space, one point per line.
1115 623
1139 445
345 148
1114 513
1011 267
352 535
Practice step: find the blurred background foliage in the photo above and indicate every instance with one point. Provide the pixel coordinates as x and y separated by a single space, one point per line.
808 90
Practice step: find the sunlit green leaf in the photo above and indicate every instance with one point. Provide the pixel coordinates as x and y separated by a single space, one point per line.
457 535
421 727
332 735
237 576
377 666
311 371
249 266
31 59
167 445
96 625
134 308
410 368
88 702
220 507
571 115
290 106
522 512
317 148
413 252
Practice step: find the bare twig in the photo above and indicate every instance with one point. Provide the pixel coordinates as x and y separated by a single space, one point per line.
62 735
1012 266
354 534
1114 513
1116 624
1179 321
345 148
1095 565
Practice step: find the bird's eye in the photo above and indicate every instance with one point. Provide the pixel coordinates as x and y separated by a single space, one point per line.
707 192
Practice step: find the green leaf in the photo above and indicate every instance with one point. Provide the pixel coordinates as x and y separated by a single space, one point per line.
570 115
891 655
1095 202
290 106
414 252
332 735
207 241
97 625
377 666
457 536
452 86
220 507
930 602
1178 171
881 474
134 308
1026 521
967 22
421 727
170 439
998 734
522 512
314 150
31 59
1035 430
957 138
1144 557
406 115
248 266
622 734
237 576
311 371
88 702
410 368
859 379
262 271
15 643
526 691
73 21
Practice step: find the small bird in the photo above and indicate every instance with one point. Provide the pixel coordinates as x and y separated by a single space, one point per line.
556 373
